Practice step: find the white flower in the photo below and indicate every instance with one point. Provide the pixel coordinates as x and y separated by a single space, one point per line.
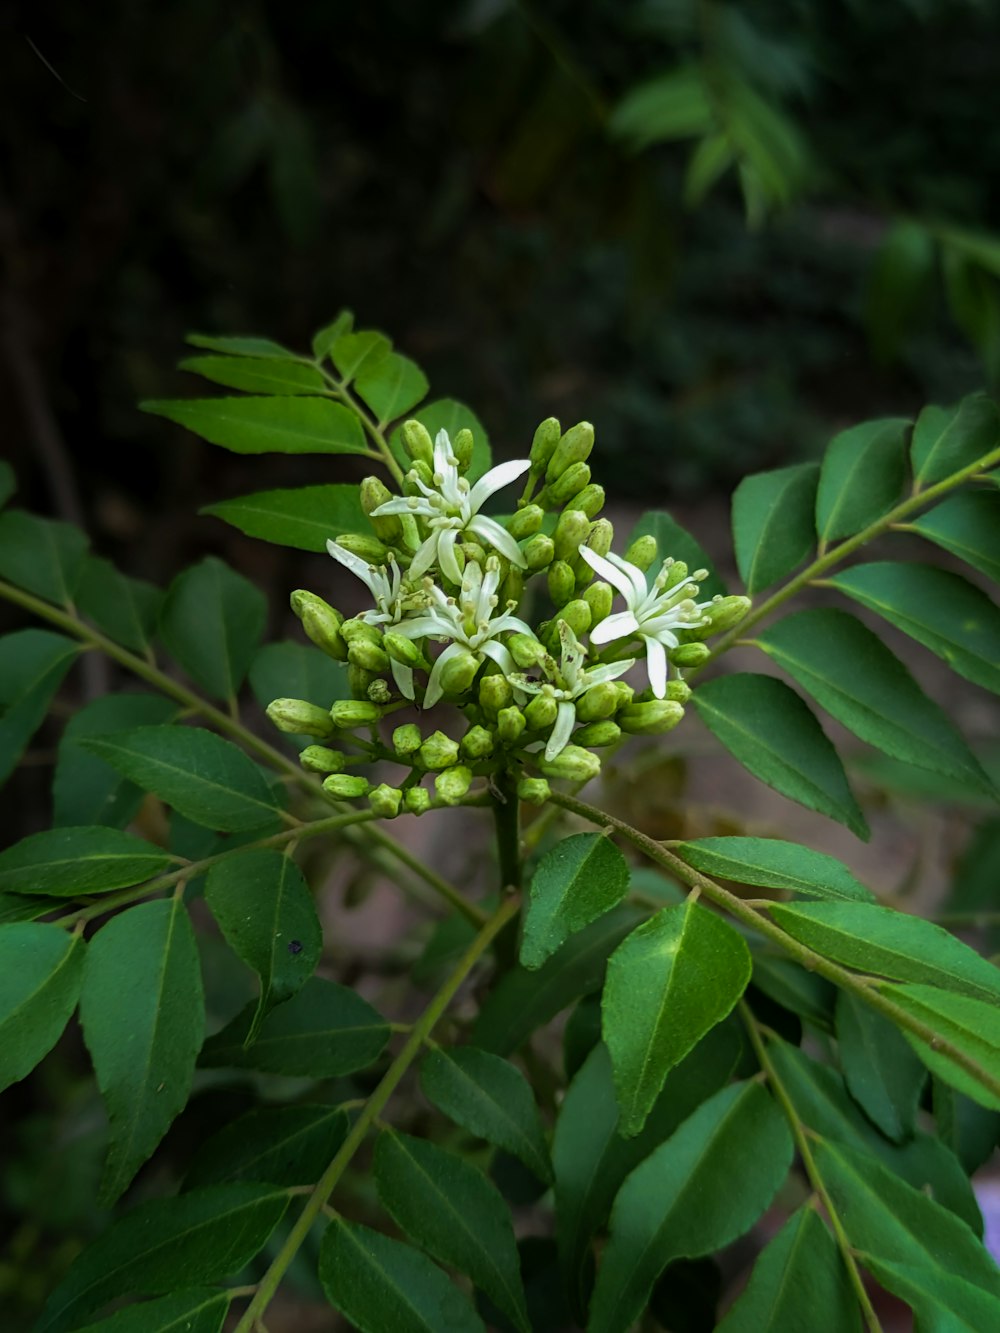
451 507
573 679
467 621
384 582
653 613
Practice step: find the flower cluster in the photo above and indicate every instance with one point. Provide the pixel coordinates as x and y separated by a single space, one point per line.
452 618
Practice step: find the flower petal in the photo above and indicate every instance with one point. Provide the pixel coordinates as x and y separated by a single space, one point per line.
618 626
656 665
499 654
561 731
360 568
610 573
434 691
403 676
491 531
600 675
495 480
446 555
425 556
632 572
402 504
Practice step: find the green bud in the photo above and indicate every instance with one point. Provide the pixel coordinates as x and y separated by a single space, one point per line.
359 631
423 471
526 522
599 596
404 650
679 691
379 692
364 546
574 763
477 743
320 622
727 612
642 552
600 702
411 533
576 614
360 681
571 532
346 786
385 800
540 712
461 448
534 791
689 654
673 574
598 734
570 484
373 494
438 751
458 673
590 500
368 656
471 550
452 786
417 800
495 693
512 588
574 447
562 583
538 551
349 713
543 446
526 651
602 534
650 719
320 759
406 740
510 724
417 442
299 718
625 693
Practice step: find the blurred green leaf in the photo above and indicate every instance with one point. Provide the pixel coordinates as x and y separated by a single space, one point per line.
297 671
33 663
202 1310
241 346
8 482
939 1299
674 541
274 1145
41 555
305 518
212 621
674 105
899 286
124 608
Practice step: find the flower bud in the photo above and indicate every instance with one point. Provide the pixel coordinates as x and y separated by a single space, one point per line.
562 583
320 622
526 522
359 631
453 785
379 692
599 596
495 693
420 471
365 546
650 719
346 786
410 531
404 650
727 612
385 800
598 734
406 740
540 712
543 446
625 693
571 532
360 681
526 651
642 552
373 494
510 725
417 800
538 551
299 718
576 615
461 448
689 654
673 573
458 673
679 691
590 499
512 588
572 762
477 743
349 713
369 656
571 483
417 442
438 751
534 791
574 447
320 759
602 534
600 702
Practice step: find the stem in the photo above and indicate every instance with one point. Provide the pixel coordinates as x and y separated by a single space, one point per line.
373 1108
809 1163
506 817
382 452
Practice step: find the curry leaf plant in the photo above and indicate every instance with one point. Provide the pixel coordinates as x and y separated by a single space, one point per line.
582 1065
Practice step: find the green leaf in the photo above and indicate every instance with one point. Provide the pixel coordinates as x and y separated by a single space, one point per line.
379 1285
900 286
681 1202
773 524
257 374
240 346
668 983
33 663
304 518
202 776
73 862
267 425
889 943
580 879
324 1031
674 541
275 1145
850 672
971 1025
523 1000
196 1238
940 1301
41 555
948 439
325 337
124 608
41 967
673 105
768 728
968 525
490 1098
212 621
85 790
792 987
202 1310
450 415
862 478
8 482
882 1073
773 863
797 1275
353 353
454 1213
143 1017
711 159
297 671
391 387
22 907
268 917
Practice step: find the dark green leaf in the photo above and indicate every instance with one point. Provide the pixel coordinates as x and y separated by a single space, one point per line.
850 672
324 1031
41 555
900 286
21 907
257 374
970 1025
124 608
354 353
970 1130
32 665
267 425
941 1301
202 1310
773 864
768 728
491 1099
392 386
968 525
580 879
795 989
674 105
668 983
450 415
212 621
304 518
41 967
862 478
195 1238
201 775
267 914
948 439
276 1145
71 862
680 1202
674 541
297 671
8 482
143 1017
882 1073
240 346
773 523
454 1213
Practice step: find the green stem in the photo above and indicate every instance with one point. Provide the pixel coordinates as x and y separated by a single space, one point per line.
507 820
382 452
373 1108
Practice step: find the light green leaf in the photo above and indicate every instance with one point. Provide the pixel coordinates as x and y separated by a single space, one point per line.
862 478
882 1073
278 425
305 518
797 1275
240 346
8 482
681 1202
33 663
773 523
850 672
968 525
297 671
774 864
490 1098
202 1310
196 1238
268 917
143 1017
202 776
41 967
391 387
580 879
676 542
275 1145
941 1302
41 555
450 415
325 337
72 862
768 728
673 105
212 621
948 439
324 1031
379 1285
124 608
257 374
711 159
354 353
454 1213
668 983
971 1025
